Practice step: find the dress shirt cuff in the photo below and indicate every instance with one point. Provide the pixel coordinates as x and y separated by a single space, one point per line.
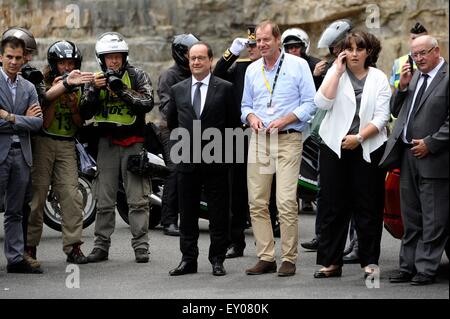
244 113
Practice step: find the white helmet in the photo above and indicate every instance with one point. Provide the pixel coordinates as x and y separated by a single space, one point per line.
296 35
110 42
334 33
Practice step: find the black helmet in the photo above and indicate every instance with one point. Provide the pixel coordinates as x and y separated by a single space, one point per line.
180 46
25 35
335 32
62 50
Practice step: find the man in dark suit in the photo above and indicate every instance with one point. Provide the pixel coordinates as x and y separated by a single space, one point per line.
20 113
198 105
419 146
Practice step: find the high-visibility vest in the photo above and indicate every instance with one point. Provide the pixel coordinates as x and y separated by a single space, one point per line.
113 109
400 62
62 124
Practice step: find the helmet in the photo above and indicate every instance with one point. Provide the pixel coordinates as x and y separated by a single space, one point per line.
25 35
335 32
180 46
61 50
110 42
296 35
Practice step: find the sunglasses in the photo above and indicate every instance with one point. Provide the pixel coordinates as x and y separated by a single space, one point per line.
250 45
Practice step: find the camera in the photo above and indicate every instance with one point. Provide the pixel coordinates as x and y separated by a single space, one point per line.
32 74
148 165
113 79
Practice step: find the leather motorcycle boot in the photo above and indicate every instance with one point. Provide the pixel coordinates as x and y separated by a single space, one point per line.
311 245
76 256
30 256
141 255
348 249
353 256
97 255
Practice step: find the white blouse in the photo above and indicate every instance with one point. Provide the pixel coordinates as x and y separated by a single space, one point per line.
341 111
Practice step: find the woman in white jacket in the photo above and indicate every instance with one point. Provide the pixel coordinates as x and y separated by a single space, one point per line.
356 96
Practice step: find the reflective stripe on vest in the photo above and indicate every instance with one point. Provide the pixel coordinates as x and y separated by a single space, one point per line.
401 61
114 110
62 124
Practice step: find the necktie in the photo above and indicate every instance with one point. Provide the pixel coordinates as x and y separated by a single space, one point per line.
197 103
409 126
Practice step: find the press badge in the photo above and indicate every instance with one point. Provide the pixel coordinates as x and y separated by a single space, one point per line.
270 109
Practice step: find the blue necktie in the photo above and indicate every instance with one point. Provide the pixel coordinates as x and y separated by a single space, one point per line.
197 103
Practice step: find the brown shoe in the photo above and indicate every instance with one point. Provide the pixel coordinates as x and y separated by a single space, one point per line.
262 267
287 269
33 262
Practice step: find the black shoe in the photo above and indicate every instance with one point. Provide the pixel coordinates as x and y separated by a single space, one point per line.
307 206
311 245
337 272
421 279
352 258
184 268
218 269
348 249
22 267
97 255
401 276
141 255
171 230
76 255
234 252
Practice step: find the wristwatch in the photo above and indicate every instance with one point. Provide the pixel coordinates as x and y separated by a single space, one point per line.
10 117
359 138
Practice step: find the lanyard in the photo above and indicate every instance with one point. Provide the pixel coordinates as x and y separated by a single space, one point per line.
274 80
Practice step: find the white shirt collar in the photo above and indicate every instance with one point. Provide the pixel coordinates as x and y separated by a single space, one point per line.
205 81
433 72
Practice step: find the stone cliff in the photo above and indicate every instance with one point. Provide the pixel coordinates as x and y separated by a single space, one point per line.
150 25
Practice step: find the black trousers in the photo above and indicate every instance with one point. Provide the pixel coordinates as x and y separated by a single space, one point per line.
215 185
240 213
169 210
350 185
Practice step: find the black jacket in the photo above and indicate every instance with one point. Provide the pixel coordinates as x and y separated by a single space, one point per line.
217 113
169 77
139 99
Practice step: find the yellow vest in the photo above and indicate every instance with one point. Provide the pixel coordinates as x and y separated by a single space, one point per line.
62 124
401 61
114 110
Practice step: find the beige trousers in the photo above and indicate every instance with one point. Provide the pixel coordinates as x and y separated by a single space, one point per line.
55 163
280 154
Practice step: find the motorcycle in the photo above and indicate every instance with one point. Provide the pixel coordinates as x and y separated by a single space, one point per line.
306 189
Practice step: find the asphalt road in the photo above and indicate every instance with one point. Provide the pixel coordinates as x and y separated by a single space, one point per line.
120 277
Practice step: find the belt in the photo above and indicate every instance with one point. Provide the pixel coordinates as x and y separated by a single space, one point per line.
15 145
288 131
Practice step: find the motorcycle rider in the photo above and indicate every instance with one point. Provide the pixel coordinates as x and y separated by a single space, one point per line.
176 73
118 100
54 156
232 68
